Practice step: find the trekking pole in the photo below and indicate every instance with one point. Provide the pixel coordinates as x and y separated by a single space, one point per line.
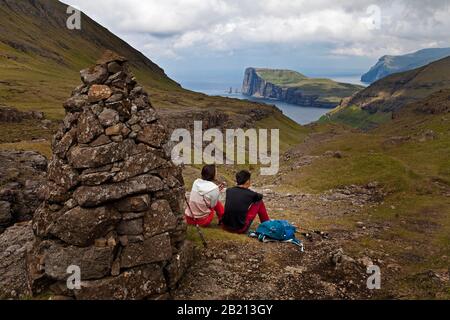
202 237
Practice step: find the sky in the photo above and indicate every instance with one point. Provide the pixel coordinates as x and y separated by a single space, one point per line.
215 40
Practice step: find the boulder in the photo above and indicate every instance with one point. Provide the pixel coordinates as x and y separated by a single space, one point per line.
76 103
14 245
135 284
134 204
98 93
94 262
92 157
154 135
97 195
132 227
94 75
155 249
5 213
108 117
159 219
81 226
89 127
180 263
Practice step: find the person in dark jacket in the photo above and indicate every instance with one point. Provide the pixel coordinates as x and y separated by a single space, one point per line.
243 205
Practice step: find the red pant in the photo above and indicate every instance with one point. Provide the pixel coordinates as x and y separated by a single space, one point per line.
257 209
205 222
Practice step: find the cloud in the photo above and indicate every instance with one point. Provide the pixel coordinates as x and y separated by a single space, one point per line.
352 27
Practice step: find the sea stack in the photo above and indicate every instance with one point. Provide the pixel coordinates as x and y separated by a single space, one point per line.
113 202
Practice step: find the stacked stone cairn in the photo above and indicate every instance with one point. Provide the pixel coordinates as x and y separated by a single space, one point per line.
113 204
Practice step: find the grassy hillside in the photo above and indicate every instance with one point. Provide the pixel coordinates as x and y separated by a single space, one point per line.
409 157
328 90
40 60
376 104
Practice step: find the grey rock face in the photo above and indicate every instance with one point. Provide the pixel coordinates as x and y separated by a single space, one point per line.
112 202
22 174
14 244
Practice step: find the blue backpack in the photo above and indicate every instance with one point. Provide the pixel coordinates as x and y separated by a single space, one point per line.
277 230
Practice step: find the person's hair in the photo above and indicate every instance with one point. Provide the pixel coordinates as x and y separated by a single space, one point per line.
209 172
242 177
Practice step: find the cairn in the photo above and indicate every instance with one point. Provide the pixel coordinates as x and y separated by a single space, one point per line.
113 204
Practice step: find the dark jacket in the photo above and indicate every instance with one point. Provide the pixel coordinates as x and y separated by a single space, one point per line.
238 202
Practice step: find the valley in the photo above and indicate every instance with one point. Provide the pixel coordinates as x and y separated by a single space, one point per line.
373 173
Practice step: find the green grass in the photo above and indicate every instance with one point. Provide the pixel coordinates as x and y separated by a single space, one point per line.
355 117
282 78
327 90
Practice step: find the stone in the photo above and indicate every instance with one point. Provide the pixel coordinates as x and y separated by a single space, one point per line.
94 262
153 135
92 157
99 92
338 155
96 178
159 219
14 245
139 164
89 127
81 226
110 176
114 130
179 264
100 141
130 227
108 117
62 147
134 204
114 67
147 116
95 75
55 193
94 196
141 102
76 103
62 174
111 56
116 97
43 219
134 284
5 212
152 250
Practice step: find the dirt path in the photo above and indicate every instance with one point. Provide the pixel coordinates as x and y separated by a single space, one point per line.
248 269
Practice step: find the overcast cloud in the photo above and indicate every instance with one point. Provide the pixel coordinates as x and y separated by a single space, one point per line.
353 33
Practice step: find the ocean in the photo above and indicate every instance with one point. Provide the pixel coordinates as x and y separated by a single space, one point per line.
301 115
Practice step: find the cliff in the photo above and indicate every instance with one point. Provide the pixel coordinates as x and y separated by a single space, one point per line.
295 88
388 65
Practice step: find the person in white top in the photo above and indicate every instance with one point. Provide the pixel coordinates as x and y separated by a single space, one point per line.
204 201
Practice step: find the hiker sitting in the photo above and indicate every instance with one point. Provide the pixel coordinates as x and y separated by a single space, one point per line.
204 200
243 205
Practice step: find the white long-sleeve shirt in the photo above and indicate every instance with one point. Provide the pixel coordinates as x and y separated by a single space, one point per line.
204 197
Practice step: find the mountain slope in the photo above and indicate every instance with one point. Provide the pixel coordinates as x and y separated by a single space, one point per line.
376 103
40 61
40 58
293 87
393 64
